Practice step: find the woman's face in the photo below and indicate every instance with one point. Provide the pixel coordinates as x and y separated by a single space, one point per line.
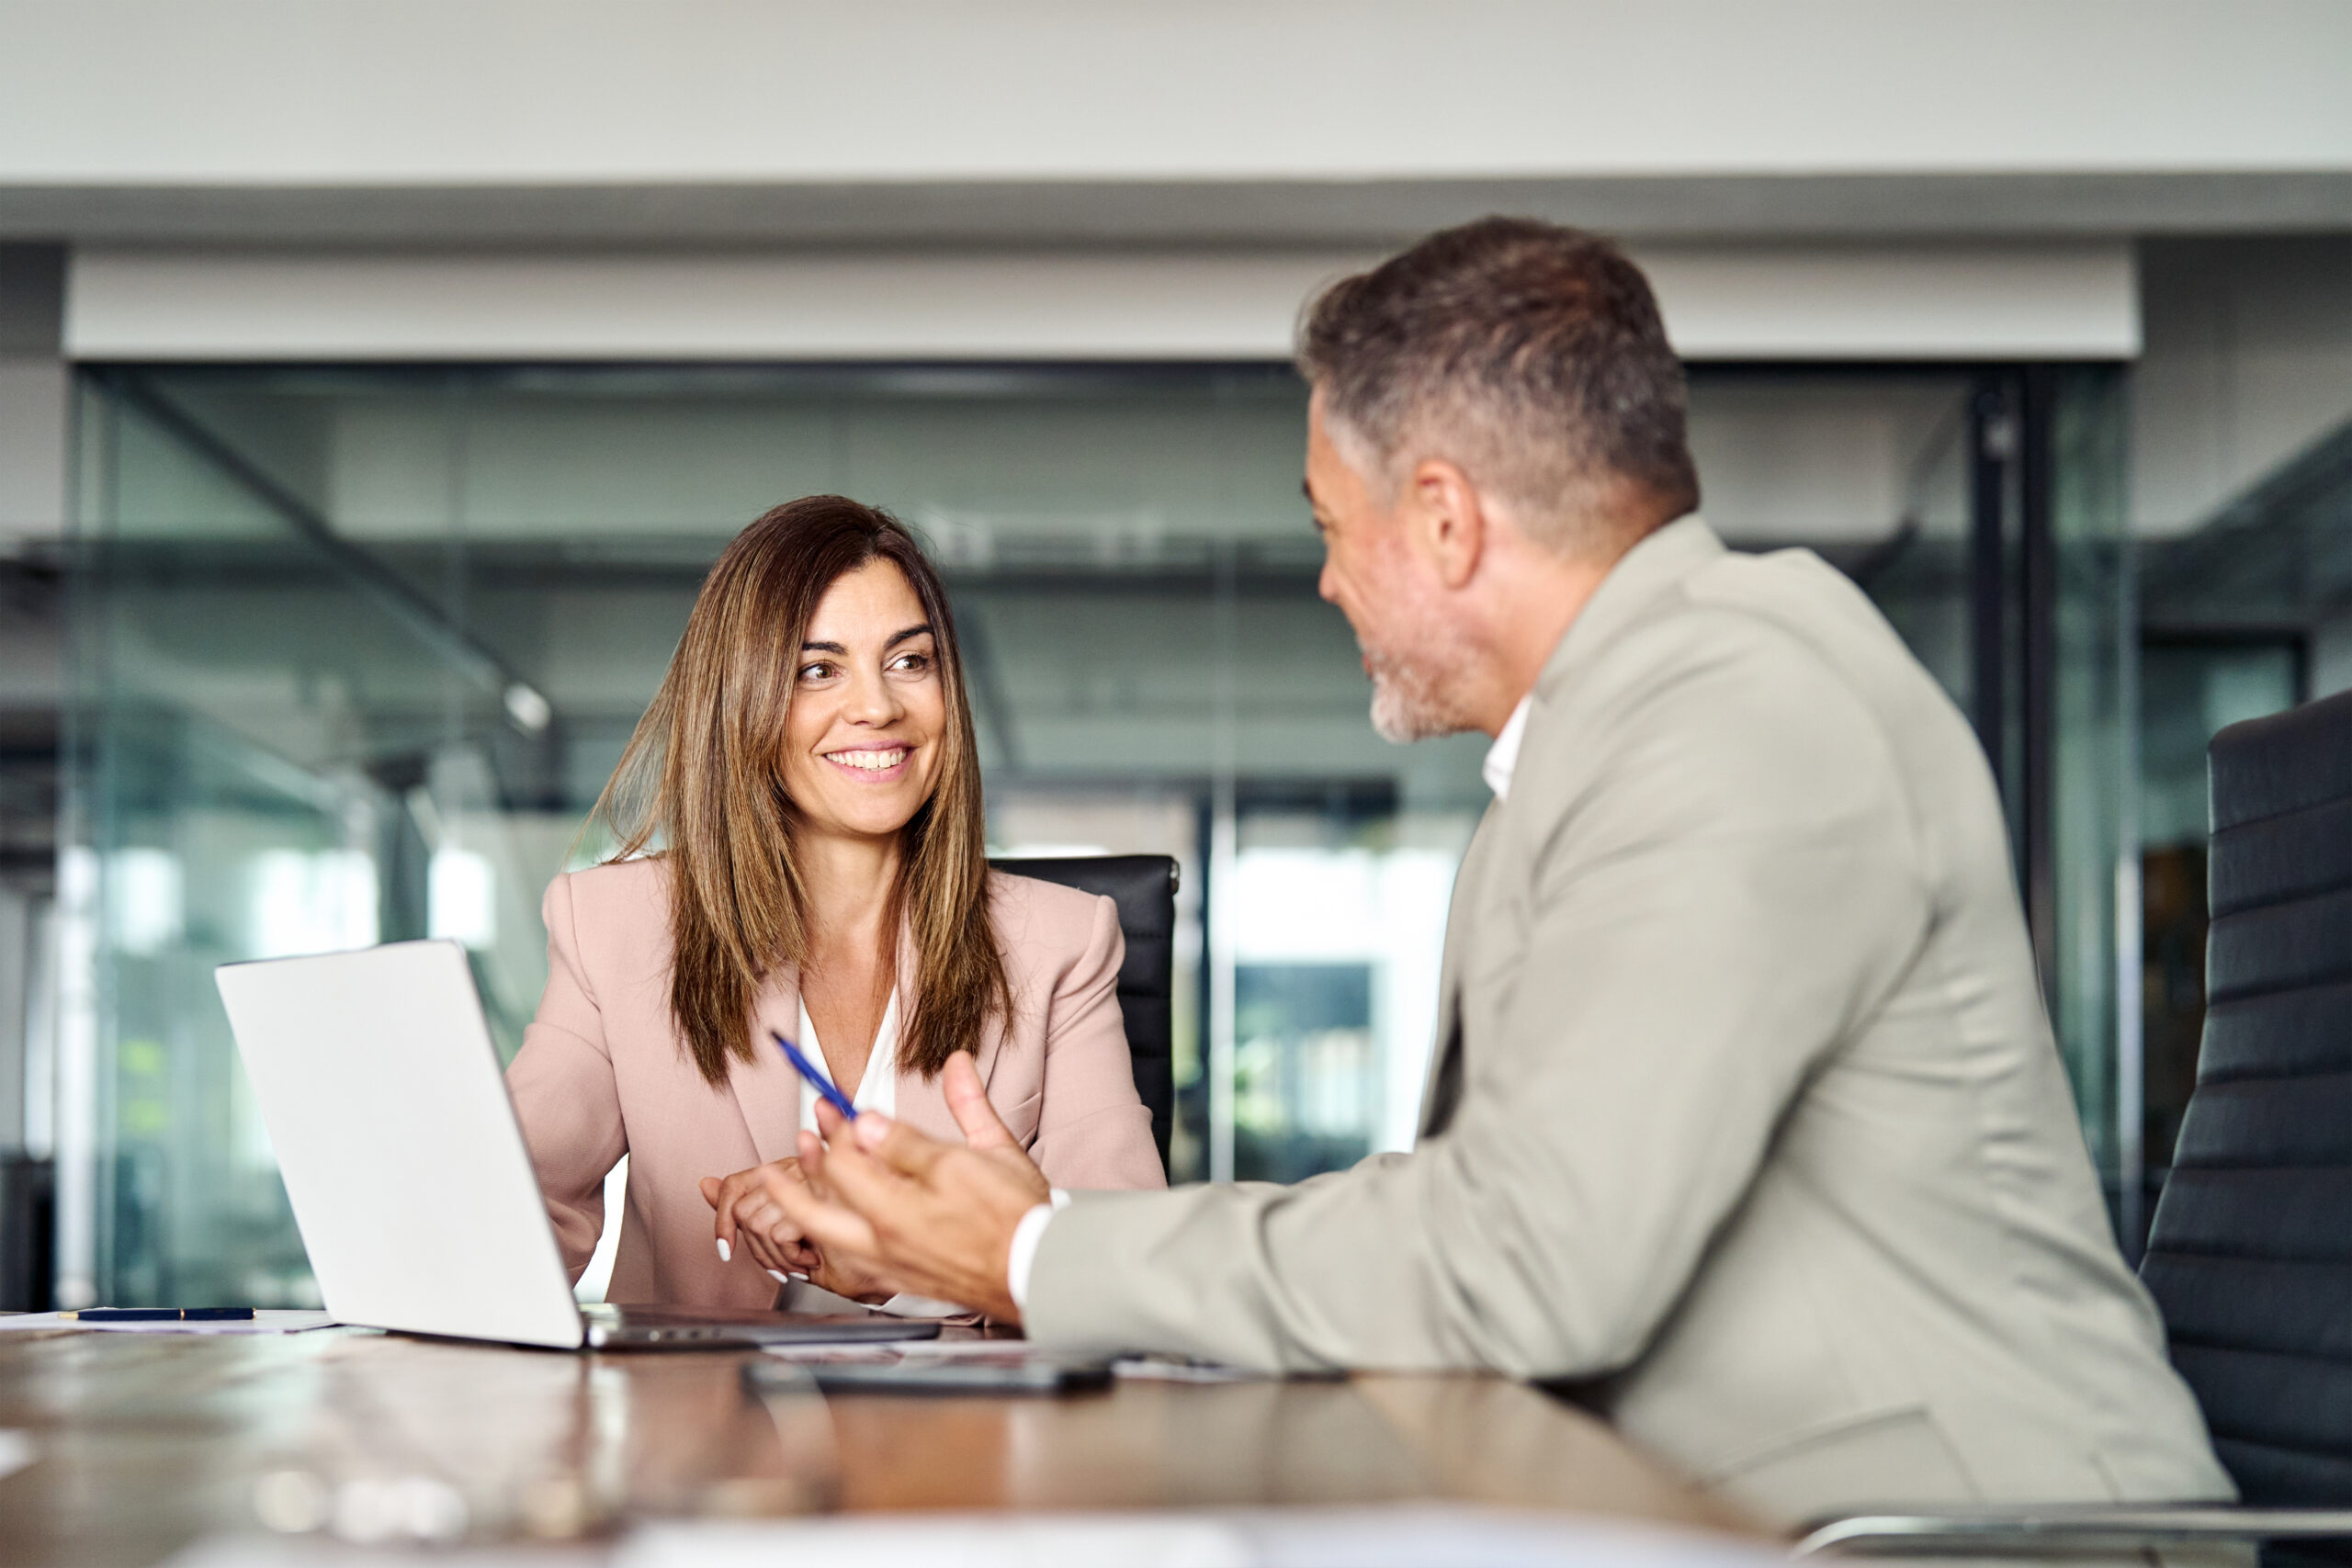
869 707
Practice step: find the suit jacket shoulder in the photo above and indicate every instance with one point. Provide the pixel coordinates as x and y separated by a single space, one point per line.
617 913
1048 932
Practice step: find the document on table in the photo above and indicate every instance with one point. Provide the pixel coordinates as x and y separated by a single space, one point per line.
893 1352
267 1320
1148 1368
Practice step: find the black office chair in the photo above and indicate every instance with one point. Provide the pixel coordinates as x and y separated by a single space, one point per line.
1144 886
2250 1255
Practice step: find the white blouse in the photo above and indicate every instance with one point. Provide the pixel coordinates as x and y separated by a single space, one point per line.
878 1086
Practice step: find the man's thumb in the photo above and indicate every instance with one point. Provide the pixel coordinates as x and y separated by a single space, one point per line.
967 1102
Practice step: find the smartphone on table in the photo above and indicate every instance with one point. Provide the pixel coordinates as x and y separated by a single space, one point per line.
1006 1368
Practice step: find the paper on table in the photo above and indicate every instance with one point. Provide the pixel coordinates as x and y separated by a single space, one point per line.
267 1320
1183 1368
16 1451
1148 1368
892 1352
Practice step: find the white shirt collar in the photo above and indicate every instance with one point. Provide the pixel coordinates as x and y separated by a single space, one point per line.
1503 757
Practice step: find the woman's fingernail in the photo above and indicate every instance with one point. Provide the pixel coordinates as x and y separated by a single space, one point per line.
872 1129
726 1253
779 1277
802 1278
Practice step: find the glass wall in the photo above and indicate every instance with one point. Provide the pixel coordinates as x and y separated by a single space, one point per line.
2089 858
355 649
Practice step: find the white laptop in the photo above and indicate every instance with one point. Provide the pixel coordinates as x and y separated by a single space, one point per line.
407 1172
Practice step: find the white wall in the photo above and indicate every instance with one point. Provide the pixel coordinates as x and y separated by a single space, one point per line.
273 92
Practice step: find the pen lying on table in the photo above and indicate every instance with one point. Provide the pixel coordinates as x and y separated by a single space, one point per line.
159 1315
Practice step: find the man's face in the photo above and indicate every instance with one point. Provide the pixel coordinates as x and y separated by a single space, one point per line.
1413 649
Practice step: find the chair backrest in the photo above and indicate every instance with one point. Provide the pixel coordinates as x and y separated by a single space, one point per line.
1144 886
2250 1255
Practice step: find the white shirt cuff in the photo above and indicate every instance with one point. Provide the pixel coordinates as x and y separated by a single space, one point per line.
1025 1237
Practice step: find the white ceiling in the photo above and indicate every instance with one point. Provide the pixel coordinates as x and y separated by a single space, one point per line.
279 93
1073 122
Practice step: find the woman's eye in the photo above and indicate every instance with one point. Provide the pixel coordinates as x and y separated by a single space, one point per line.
911 662
815 671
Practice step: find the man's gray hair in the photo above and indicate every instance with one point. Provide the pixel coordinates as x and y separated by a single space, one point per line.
1531 355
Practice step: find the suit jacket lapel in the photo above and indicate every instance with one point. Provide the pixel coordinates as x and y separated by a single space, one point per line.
1648 569
766 1089
923 1102
922 1105
1447 1046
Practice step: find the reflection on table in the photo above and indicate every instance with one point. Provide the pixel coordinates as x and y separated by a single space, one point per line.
143 1444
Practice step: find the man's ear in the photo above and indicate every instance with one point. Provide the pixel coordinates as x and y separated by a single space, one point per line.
1448 518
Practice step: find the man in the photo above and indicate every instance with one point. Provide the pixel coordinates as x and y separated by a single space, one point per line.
1745 1123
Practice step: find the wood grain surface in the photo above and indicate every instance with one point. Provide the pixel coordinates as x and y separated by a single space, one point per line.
144 1442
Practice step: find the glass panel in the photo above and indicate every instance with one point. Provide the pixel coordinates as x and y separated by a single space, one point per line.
226 808
2189 690
1869 470
356 649
2093 856
1338 932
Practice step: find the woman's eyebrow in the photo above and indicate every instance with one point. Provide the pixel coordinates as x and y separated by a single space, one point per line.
895 638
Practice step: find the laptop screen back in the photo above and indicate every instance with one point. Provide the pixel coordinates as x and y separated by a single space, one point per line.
381 1091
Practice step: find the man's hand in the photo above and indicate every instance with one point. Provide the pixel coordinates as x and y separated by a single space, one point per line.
746 1216
936 1219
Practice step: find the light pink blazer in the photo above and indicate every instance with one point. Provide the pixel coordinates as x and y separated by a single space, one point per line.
604 1072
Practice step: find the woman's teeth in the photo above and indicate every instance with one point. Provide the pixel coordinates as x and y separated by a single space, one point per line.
872 762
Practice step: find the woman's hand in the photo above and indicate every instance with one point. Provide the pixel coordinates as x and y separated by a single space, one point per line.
746 1215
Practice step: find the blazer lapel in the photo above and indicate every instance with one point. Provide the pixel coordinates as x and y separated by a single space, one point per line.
1444 1068
767 1090
923 1102
1650 567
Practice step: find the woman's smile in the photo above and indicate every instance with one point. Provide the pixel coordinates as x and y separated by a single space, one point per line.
886 764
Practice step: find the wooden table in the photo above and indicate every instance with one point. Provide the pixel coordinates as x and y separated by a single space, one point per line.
146 1442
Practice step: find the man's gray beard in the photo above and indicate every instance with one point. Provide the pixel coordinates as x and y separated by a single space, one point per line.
1415 702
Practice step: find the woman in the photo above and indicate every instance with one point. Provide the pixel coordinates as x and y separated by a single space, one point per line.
809 771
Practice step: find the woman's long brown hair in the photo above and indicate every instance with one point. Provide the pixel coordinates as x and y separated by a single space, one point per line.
702 776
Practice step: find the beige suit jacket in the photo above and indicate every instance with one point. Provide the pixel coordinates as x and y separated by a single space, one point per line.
1746 1121
604 1072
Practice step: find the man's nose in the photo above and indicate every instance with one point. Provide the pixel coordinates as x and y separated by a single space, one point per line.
1326 584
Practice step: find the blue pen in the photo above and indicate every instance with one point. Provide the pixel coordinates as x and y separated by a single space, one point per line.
817 1080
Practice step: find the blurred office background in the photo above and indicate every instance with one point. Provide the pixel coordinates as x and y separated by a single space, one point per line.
377 386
